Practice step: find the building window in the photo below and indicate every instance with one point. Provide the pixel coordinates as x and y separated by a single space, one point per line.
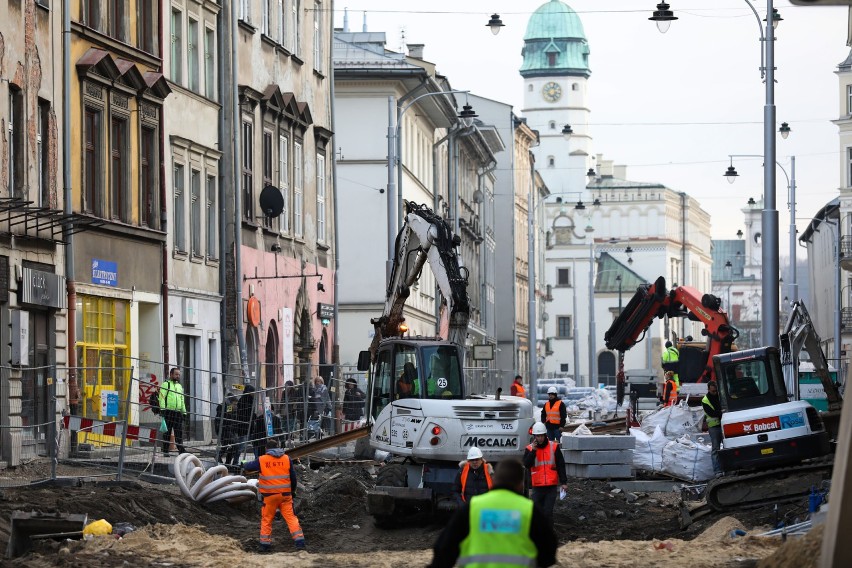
92 13
180 209
849 167
212 220
294 27
210 63
148 178
119 169
248 158
551 59
92 198
529 88
575 87
318 37
103 349
16 142
117 25
266 17
563 367
147 27
177 46
563 327
563 276
552 125
284 183
551 161
245 10
297 189
267 169
282 17
192 55
195 212
43 151
848 99
320 198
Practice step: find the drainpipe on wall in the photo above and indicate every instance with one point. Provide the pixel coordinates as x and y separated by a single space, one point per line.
225 173
164 220
238 199
335 349
68 209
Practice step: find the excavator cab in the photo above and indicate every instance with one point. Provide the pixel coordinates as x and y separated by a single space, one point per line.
750 379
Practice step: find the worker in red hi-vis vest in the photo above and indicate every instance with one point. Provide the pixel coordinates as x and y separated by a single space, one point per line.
543 458
473 478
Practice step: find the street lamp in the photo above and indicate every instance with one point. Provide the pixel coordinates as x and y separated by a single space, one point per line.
394 205
495 23
791 196
769 216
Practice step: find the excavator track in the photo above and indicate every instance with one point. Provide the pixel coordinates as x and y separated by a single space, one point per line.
770 486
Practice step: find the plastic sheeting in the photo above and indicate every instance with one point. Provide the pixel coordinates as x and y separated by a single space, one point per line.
675 421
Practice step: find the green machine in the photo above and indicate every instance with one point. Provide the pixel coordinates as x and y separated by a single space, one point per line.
810 386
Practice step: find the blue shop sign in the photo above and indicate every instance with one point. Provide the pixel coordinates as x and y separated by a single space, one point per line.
104 272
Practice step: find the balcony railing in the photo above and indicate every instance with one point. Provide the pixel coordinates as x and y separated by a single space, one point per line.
846 246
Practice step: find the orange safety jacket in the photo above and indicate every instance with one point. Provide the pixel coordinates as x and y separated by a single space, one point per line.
544 473
671 387
466 470
552 412
519 390
274 475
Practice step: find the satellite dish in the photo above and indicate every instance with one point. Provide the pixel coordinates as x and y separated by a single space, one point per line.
271 201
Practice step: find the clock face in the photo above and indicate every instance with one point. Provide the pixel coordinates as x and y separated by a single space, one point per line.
551 92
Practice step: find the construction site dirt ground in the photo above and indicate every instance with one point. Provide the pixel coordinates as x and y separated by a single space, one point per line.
596 527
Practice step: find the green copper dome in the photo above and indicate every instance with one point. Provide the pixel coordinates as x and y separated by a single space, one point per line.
555 44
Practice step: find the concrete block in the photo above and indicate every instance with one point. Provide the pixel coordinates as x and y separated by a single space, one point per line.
602 442
607 471
598 456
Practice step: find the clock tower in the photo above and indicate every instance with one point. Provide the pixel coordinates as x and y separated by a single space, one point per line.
556 72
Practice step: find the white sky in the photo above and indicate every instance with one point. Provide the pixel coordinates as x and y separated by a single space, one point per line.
672 106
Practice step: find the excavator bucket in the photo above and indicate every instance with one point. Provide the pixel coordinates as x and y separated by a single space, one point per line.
27 527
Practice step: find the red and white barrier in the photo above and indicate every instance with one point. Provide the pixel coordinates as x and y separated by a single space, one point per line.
352 424
78 423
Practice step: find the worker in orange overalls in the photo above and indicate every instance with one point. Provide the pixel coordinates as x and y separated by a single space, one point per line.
670 390
277 484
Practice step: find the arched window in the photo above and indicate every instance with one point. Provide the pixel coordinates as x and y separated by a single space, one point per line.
551 161
530 88
552 125
575 87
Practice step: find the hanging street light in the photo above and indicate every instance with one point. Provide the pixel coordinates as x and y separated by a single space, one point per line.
663 16
495 23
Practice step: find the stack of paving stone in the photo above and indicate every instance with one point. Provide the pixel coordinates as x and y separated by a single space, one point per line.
598 456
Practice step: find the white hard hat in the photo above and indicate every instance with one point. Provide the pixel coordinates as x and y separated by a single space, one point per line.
552 390
538 428
474 454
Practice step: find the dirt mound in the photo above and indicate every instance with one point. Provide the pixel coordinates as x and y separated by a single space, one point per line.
797 552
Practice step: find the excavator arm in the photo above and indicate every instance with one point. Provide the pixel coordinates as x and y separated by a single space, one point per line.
653 301
424 237
800 333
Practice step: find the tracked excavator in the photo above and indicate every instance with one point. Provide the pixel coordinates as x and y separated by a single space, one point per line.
774 445
418 401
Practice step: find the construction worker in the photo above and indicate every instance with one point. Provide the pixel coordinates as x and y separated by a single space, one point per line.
473 478
547 469
277 484
670 389
713 417
670 358
173 409
554 415
517 388
499 528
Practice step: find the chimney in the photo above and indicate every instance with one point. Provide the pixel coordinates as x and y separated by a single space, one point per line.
605 168
415 50
619 172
